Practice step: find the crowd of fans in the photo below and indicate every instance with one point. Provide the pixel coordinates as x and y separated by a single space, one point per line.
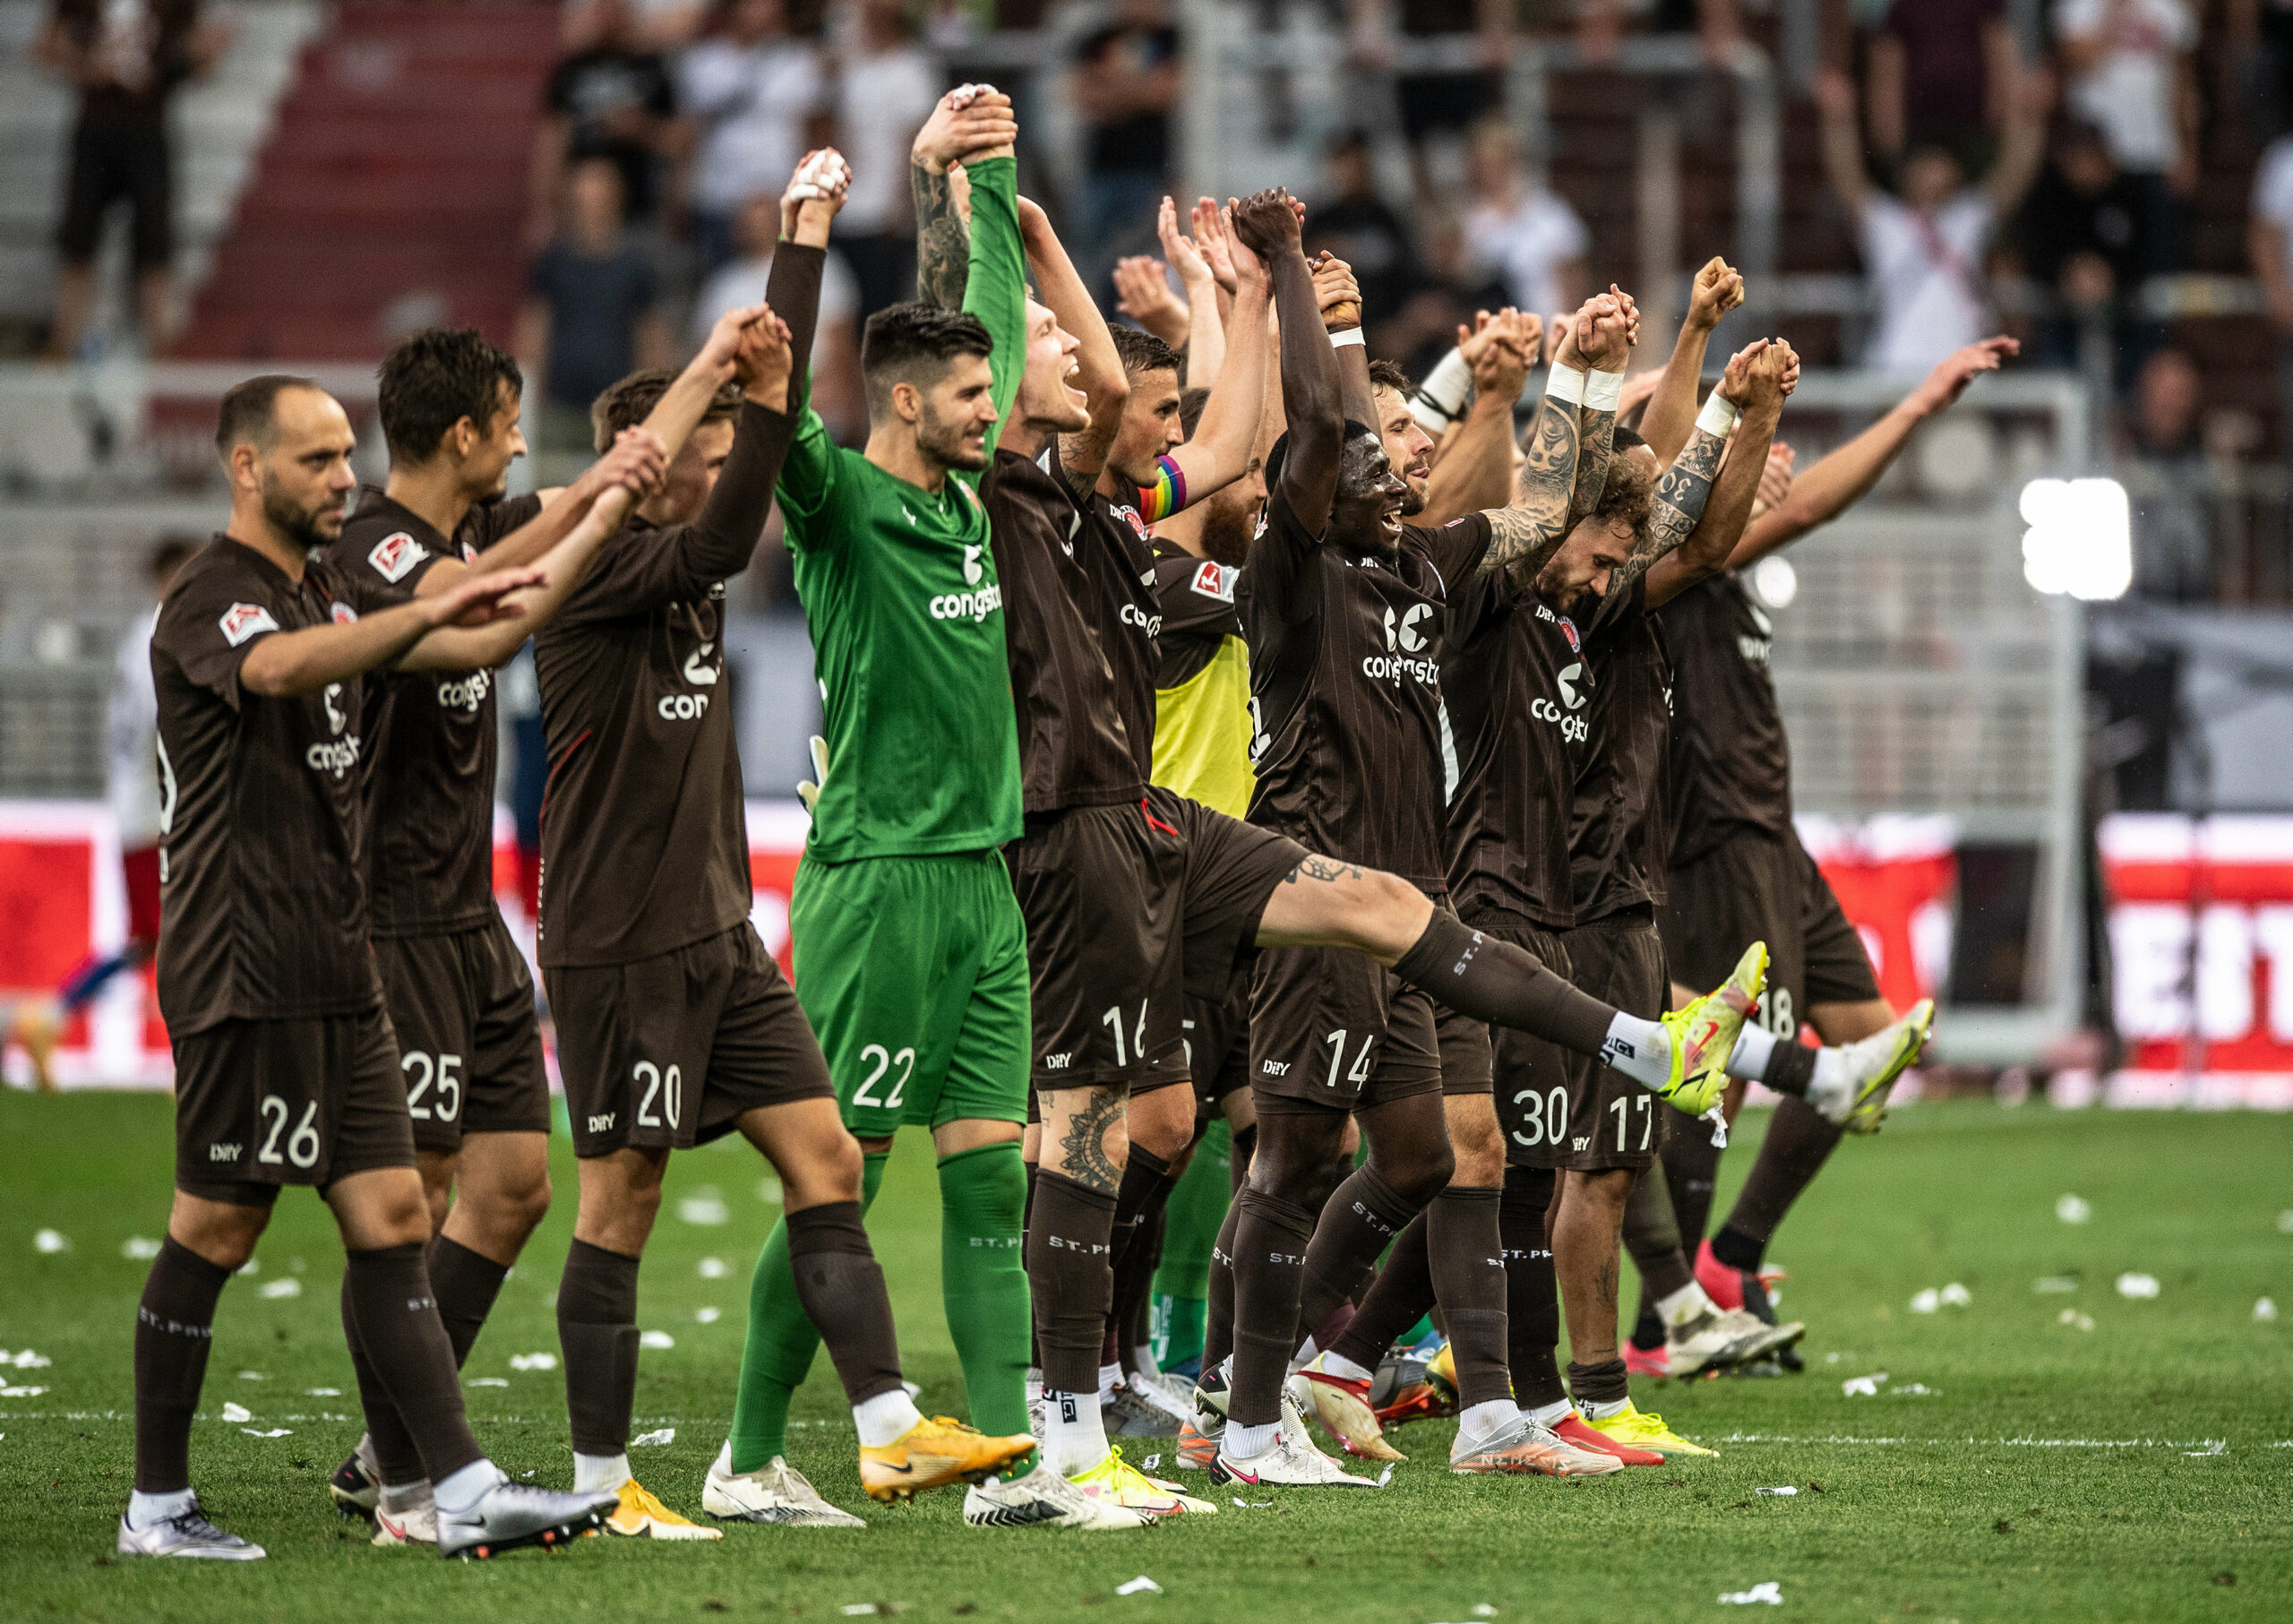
1982 186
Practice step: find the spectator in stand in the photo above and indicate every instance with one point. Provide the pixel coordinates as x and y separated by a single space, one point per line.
2269 245
2171 483
2131 71
1438 107
1518 231
609 96
1126 86
1942 70
756 90
886 86
127 58
1923 251
1365 231
741 281
2085 236
591 315
1717 25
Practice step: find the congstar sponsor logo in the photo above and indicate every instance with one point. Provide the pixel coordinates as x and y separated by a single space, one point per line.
466 693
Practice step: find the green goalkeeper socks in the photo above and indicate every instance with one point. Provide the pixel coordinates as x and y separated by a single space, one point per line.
781 1343
983 1193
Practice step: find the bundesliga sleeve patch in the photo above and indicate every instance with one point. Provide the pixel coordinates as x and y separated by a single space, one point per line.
343 613
394 554
1215 580
241 622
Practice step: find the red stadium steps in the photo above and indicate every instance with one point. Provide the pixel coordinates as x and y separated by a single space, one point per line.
395 176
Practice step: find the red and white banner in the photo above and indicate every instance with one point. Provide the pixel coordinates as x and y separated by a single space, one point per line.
2200 929
62 898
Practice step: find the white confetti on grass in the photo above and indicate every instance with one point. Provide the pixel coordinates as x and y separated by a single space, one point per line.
2055 1285
273 1432
2265 1311
658 1435
1925 1301
2071 1317
657 1339
332 1392
280 1289
768 1190
2139 1286
47 1243
27 1360
704 1206
533 1362
1787 1492
138 1249
708 1316
485 1381
2285 1224
715 1268
21 1392
1140 1586
1955 1295
1863 1387
2072 1209
237 1412
1768 1591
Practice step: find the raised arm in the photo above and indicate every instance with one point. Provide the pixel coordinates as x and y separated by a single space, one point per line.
1206 329
995 290
1605 348
1340 298
1220 451
1099 374
1742 472
1475 469
1267 226
2022 149
1672 409
1843 148
1758 377
968 118
1847 474
1530 529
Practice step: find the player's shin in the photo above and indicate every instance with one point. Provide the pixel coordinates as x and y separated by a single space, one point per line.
1495 981
174 1331
982 1194
841 1287
1463 1245
1069 1282
597 1328
1531 1293
391 1298
1271 1237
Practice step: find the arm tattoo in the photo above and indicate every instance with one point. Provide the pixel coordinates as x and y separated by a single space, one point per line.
942 240
1320 868
1085 1142
1596 432
1526 534
1682 490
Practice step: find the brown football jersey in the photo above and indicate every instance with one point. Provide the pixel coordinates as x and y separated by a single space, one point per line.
1619 833
264 900
1520 696
1731 760
430 741
1129 617
644 829
1344 651
1074 747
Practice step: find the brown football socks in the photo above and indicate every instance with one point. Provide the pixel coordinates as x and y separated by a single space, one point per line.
841 1287
1598 1386
1401 1295
175 1326
1139 1203
1463 1241
597 1327
1799 1141
387 1289
1218 1312
1691 1165
1069 1282
1531 1293
1270 1242
1652 1236
1494 981
466 1284
1358 1222
396 1458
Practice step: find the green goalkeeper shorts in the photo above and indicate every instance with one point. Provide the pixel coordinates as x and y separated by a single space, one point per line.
913 974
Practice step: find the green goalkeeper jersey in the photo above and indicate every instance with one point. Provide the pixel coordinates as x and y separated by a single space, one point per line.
898 584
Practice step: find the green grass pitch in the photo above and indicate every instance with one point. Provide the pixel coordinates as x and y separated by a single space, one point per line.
2011 1468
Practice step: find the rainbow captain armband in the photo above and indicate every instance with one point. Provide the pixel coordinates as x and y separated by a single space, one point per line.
1166 495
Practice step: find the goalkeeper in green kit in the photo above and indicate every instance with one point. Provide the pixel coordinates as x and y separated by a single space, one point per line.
910 952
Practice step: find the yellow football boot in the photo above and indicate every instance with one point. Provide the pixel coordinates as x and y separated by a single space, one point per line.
639 1515
1638 1428
1704 1035
936 1450
1117 1479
